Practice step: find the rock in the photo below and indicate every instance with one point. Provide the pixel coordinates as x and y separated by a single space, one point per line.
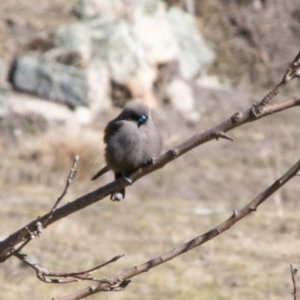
181 96
72 45
111 9
98 86
194 52
50 80
209 81
4 87
60 83
120 43
126 59
21 104
90 9
125 55
151 27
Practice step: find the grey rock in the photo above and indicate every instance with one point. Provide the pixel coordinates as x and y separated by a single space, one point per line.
194 51
50 80
122 41
98 86
181 96
72 45
60 83
151 27
125 55
114 9
89 9
108 40
116 44
24 104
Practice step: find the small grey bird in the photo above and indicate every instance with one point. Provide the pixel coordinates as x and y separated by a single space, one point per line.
132 140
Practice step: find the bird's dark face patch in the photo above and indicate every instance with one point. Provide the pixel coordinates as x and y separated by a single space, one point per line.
140 119
136 112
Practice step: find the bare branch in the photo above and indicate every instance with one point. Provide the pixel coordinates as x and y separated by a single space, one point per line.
25 235
292 72
45 274
234 218
71 176
293 273
30 236
202 137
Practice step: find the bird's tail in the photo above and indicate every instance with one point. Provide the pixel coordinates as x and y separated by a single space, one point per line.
101 172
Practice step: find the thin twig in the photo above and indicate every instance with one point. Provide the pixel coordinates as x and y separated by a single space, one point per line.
25 234
292 72
293 273
45 274
29 236
71 176
196 242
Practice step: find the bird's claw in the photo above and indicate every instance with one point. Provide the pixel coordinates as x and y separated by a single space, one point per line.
151 161
116 197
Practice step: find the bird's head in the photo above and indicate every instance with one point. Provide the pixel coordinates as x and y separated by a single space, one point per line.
137 112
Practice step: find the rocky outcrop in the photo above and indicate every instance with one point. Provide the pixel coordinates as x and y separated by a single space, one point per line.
115 43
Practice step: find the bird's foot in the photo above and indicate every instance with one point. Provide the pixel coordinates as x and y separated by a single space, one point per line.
116 197
152 161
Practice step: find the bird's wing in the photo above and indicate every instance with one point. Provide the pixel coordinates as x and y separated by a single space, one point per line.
109 131
101 172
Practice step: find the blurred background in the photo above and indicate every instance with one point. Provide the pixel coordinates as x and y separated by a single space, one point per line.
68 67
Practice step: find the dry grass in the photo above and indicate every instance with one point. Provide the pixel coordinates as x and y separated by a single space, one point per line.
165 209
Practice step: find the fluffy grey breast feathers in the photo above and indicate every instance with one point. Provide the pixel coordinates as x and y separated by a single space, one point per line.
132 140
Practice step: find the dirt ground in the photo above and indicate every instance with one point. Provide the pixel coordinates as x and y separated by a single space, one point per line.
161 211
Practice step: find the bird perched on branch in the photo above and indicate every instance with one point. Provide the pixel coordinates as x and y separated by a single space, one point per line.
132 140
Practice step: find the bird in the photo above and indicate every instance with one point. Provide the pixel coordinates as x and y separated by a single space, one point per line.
132 140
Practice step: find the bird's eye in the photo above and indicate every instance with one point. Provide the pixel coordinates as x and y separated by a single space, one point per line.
142 119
